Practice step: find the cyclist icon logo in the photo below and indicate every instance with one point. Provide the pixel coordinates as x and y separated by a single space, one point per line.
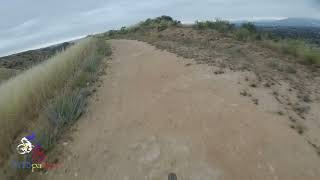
25 146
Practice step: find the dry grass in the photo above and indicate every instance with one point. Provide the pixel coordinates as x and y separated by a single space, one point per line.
23 96
6 74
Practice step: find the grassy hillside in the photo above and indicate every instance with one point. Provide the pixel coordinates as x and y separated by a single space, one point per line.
52 89
6 73
27 59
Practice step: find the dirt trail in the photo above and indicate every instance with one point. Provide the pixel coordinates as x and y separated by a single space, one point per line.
155 114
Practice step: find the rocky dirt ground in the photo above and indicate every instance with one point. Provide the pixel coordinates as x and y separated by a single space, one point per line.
156 113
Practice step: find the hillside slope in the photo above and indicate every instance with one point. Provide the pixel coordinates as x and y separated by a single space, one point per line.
25 60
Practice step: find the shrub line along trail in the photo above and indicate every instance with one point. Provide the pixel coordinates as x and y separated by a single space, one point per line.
154 115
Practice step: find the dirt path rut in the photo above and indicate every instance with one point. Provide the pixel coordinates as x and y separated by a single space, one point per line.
155 114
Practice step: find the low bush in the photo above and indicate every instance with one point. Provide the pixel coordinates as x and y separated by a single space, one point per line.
219 25
160 23
242 34
92 64
250 27
311 56
297 48
60 114
248 31
66 109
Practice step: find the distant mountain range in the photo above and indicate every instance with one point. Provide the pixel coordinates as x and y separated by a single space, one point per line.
288 22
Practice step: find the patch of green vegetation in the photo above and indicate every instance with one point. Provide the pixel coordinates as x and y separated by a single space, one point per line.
219 25
292 47
61 114
162 22
250 27
92 64
66 109
297 48
311 56
242 34
248 31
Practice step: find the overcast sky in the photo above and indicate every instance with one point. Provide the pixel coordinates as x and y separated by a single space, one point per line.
27 24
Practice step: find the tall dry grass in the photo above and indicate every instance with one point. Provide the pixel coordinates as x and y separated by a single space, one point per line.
22 97
6 74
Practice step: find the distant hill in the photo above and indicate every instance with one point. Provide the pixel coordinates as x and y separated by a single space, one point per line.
297 28
25 60
288 22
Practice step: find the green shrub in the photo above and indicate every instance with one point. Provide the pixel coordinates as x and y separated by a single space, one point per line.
250 27
223 26
66 109
258 37
242 34
248 31
297 48
165 18
161 23
61 113
219 25
123 30
92 64
311 56
292 47
200 25
162 26
47 136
